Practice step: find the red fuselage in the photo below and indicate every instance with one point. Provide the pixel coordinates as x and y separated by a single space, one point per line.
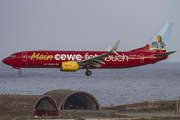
53 59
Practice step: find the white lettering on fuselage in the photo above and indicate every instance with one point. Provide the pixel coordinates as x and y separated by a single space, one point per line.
77 57
67 57
117 58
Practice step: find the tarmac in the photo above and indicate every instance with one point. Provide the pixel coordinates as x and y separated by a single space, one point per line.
129 115
97 115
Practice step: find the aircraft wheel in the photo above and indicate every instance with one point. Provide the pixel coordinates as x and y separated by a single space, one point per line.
19 72
88 73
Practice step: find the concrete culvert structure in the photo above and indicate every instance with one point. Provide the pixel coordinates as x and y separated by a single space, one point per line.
28 105
67 99
46 106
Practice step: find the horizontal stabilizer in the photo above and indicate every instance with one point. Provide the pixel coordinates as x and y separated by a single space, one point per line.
164 54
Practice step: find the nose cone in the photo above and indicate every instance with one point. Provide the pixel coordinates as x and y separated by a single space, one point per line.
5 61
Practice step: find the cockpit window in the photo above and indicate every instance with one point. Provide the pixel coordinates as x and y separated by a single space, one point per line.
12 56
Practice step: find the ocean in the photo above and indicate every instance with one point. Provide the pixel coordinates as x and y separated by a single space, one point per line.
160 81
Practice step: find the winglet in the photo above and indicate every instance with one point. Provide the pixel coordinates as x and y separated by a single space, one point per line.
115 47
108 49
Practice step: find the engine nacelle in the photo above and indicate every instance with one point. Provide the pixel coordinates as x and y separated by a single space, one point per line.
69 66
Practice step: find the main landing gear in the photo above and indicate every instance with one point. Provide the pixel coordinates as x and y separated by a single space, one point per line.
88 72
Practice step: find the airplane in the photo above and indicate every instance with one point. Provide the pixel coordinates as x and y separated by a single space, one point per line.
71 61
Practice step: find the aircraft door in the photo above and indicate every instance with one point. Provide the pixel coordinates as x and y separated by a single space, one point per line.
24 56
141 58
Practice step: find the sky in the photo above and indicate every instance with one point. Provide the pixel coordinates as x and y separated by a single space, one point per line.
85 24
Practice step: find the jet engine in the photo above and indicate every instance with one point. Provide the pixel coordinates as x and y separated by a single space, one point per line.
69 66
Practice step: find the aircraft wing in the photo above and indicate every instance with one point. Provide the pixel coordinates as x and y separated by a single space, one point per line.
95 61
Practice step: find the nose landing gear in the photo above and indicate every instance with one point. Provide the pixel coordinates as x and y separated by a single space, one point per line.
19 72
14 67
